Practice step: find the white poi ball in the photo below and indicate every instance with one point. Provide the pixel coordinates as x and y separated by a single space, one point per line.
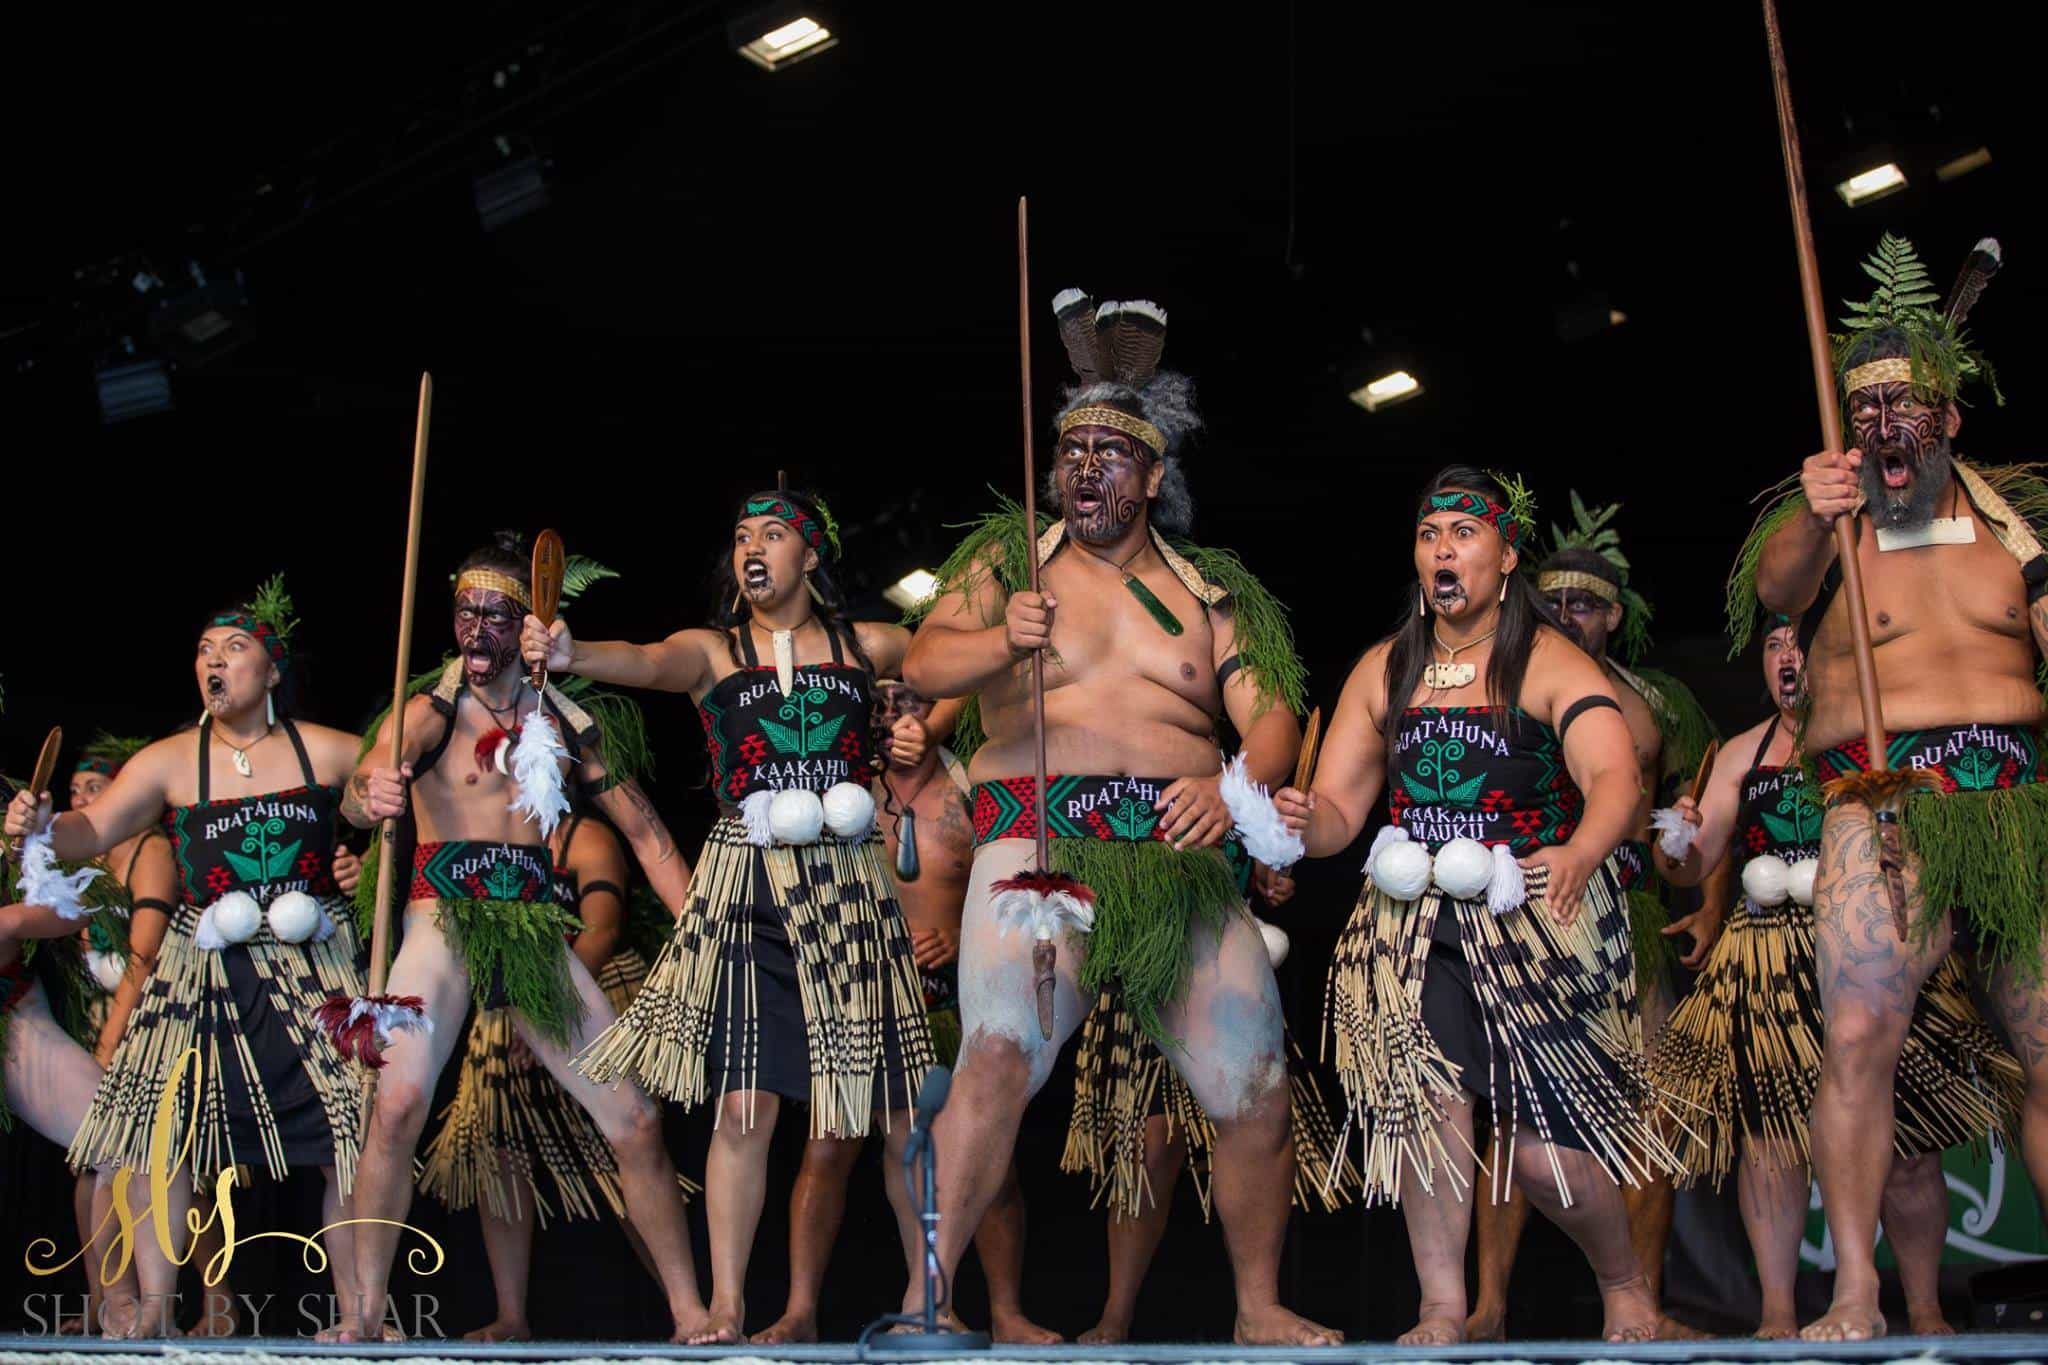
1799 880
849 810
237 916
1402 869
107 968
294 916
1765 879
1276 942
796 816
1463 868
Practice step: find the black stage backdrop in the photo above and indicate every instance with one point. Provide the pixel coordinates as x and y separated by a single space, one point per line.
813 271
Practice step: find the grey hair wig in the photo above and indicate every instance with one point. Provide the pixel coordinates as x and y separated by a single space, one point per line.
1167 401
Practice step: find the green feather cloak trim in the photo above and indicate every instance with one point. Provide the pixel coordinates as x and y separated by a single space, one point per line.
997 547
518 943
1148 899
1682 725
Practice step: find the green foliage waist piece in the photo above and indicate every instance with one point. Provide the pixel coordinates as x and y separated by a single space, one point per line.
519 945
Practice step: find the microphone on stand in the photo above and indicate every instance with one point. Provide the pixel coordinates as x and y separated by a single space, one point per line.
930 1336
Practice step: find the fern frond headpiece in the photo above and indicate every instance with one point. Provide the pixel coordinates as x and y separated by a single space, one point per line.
1905 334
267 616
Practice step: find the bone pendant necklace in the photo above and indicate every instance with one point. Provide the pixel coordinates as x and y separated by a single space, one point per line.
1450 674
241 756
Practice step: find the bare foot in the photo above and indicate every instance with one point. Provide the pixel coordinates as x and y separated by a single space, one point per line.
1774 1329
793 1328
220 1318
1671 1329
1105 1333
1273 1325
1014 1329
501 1329
72 1326
1433 1331
1853 1321
1928 1324
346 1330
720 1328
1489 1323
1630 1312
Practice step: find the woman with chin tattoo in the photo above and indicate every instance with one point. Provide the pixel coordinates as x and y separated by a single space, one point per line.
1742 1055
790 976
257 942
1489 959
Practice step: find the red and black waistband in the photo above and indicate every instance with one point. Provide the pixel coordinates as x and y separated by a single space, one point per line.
474 869
1964 758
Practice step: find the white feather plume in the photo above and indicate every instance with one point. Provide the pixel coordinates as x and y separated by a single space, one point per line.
1041 915
537 768
1067 298
43 882
207 935
1266 836
1276 942
1507 888
107 968
754 815
1388 834
391 1020
1675 833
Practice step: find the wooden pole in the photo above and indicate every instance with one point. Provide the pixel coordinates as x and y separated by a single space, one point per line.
1031 512
380 927
1824 390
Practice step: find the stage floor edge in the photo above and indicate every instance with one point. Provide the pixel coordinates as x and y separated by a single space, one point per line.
1999 1346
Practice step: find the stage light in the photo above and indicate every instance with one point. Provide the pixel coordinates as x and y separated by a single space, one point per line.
133 386
204 323
911 589
781 36
510 192
1615 317
1875 183
1386 391
1963 165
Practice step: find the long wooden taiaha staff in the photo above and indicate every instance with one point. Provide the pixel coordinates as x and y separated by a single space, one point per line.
1043 897
1878 786
361 1027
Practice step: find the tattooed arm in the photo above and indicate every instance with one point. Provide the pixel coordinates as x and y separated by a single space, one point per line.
636 820
595 857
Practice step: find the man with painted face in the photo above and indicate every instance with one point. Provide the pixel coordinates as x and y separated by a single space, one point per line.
1953 577
1489 958
483 923
1146 643
252 949
1741 1055
1584 581
790 975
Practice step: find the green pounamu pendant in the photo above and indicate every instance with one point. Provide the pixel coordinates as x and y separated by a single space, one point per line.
1168 622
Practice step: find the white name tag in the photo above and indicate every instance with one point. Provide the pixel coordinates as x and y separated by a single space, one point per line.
1940 531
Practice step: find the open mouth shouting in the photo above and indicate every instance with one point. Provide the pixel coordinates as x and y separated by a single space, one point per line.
755 578
1896 466
216 692
1447 591
1788 684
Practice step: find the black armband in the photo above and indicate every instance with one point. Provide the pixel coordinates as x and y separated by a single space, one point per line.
164 908
1227 670
1580 707
2035 572
601 786
592 888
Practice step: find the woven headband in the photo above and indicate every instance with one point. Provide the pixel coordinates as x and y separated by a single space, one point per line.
265 636
1891 370
105 767
1471 504
1563 580
490 580
1116 419
807 526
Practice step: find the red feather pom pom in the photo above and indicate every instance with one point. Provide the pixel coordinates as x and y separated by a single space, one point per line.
362 1028
1047 884
487 747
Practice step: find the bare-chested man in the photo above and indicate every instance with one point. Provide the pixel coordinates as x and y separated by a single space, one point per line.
1953 578
1584 581
1143 650
930 842
481 921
